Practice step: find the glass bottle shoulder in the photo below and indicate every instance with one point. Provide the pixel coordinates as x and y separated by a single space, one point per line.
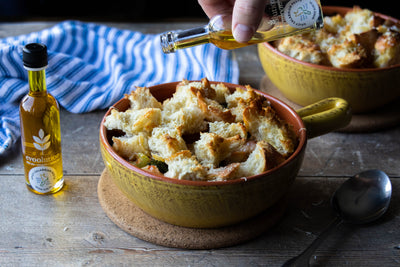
37 103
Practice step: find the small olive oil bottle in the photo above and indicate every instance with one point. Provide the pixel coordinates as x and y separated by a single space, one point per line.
281 18
40 127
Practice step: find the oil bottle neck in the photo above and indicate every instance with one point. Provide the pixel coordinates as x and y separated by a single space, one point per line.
171 41
37 81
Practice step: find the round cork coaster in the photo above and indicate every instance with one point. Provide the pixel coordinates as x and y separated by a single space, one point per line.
136 222
381 119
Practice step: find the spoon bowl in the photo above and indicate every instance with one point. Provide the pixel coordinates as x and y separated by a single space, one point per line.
363 198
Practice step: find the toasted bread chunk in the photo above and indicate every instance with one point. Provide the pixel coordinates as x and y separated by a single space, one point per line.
221 92
263 158
360 39
128 146
226 129
184 96
204 87
134 121
334 24
224 173
165 141
184 166
268 127
347 55
189 119
211 149
142 98
366 39
387 49
242 153
182 110
213 111
248 96
361 20
243 98
203 95
302 49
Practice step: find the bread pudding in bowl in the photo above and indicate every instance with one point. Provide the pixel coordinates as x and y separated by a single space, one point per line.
356 56
208 154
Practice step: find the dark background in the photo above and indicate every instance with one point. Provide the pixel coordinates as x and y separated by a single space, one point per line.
136 11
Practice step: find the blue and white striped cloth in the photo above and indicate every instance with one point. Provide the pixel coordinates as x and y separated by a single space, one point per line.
91 66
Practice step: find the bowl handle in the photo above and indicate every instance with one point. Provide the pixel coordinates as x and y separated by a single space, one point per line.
325 116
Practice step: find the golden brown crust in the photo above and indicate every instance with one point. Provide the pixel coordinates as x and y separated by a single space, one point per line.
387 49
265 125
228 172
164 142
360 39
128 146
213 111
142 98
272 157
231 131
184 166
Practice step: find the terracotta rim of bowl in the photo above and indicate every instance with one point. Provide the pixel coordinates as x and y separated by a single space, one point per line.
302 140
332 10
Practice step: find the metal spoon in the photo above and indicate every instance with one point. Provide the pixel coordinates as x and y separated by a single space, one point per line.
362 198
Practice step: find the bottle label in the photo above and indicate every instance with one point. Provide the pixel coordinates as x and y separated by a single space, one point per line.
301 13
42 143
42 178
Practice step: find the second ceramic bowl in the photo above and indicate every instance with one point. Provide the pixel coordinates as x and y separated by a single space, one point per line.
306 83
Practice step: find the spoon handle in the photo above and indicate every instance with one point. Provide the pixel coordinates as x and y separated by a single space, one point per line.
303 259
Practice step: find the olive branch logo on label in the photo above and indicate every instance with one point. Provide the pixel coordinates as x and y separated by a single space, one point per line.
302 11
42 142
44 180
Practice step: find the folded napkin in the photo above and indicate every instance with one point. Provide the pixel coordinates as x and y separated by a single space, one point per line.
91 66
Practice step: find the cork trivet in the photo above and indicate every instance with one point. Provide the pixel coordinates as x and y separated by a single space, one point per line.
381 119
136 222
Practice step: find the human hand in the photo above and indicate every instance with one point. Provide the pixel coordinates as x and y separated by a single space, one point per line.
246 15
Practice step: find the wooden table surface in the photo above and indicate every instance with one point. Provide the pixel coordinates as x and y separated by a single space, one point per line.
71 229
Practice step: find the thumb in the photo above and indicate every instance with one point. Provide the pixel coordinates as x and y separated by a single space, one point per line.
246 17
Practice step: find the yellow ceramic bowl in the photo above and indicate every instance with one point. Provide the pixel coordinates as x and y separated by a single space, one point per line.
214 204
305 83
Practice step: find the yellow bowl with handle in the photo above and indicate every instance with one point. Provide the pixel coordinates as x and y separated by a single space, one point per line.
203 204
305 83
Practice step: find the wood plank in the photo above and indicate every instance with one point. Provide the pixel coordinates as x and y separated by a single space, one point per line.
347 153
71 229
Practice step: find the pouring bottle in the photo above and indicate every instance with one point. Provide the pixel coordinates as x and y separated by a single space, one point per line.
40 127
281 18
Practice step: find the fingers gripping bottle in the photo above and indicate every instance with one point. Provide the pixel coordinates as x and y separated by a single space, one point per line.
281 18
40 127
